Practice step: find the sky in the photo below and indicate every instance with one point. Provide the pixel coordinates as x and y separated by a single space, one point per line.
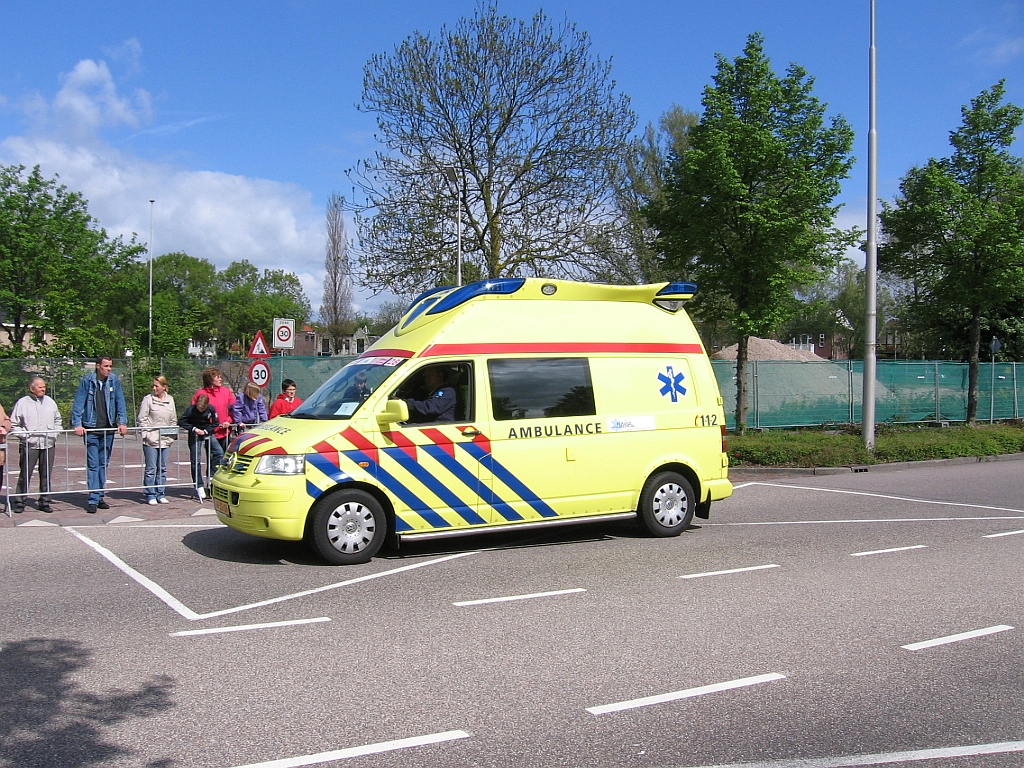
239 119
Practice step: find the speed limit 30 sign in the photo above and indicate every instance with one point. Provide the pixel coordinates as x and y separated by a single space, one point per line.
284 333
259 373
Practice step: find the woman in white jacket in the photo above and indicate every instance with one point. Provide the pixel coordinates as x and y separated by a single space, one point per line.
157 410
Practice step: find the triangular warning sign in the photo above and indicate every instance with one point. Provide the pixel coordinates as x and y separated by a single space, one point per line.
259 346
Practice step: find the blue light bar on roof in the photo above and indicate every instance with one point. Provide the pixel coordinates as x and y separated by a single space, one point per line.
674 295
501 286
678 289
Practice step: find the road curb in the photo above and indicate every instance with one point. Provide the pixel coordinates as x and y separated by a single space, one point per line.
736 473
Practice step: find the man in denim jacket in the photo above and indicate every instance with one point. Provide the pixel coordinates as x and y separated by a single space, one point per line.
98 409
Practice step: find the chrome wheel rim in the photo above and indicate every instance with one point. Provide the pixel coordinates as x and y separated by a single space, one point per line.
351 527
669 505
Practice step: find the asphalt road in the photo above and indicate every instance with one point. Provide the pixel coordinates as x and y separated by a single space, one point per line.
773 635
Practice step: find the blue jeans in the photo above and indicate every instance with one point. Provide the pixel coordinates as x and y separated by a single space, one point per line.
204 450
155 477
98 446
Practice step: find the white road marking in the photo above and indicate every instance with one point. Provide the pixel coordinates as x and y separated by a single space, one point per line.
518 597
191 615
687 694
1004 533
886 496
956 638
731 570
884 758
369 749
887 551
244 627
152 586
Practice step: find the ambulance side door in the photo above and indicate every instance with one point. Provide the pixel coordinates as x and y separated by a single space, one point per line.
542 420
431 468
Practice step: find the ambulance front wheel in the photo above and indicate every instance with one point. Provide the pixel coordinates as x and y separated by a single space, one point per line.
666 504
347 527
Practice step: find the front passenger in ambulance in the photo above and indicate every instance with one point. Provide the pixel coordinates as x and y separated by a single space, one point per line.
438 398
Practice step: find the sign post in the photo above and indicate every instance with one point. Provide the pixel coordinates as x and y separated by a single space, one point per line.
284 333
259 368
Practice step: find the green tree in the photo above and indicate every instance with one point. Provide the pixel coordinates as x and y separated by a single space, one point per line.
59 272
630 249
531 124
748 206
956 230
246 300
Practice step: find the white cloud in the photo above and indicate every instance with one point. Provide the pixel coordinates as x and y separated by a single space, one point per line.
217 216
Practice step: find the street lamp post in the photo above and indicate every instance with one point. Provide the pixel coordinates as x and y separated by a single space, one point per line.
151 277
456 177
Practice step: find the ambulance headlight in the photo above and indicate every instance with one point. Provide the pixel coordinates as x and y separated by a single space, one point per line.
281 464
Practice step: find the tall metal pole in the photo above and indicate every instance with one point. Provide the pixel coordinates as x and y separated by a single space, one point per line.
151 278
458 178
871 259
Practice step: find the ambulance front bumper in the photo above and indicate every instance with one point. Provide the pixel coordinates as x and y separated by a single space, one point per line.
265 507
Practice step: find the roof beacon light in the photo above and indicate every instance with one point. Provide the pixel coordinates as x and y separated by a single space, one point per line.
501 286
674 295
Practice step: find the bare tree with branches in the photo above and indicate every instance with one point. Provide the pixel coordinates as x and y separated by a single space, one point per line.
336 310
531 124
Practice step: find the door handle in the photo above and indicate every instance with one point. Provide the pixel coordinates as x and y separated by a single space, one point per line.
471 432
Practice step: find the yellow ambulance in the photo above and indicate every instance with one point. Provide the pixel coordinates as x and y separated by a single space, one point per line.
508 403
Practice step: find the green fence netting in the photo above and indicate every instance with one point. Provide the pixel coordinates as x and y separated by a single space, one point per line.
783 393
792 393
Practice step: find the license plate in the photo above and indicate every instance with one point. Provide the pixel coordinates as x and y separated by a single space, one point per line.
222 507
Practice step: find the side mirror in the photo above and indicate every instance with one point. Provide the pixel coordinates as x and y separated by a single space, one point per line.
394 411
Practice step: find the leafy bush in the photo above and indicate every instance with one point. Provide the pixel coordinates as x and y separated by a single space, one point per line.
817 448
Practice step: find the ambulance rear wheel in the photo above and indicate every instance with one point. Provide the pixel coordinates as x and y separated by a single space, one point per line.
347 527
666 504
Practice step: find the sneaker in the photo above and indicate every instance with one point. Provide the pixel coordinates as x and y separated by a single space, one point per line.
101 504
200 494
91 509
17 510
47 508
152 502
162 500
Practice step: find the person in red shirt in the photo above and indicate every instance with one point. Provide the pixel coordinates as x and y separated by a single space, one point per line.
222 400
286 402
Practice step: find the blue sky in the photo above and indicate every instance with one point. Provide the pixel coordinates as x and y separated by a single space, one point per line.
240 118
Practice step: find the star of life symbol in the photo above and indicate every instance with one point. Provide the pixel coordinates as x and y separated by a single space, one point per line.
673 383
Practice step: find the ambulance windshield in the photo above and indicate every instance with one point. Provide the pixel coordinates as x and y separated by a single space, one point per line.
342 394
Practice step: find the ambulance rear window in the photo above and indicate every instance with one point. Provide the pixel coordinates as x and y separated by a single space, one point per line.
539 388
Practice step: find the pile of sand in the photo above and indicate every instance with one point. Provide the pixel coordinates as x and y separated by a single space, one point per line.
766 349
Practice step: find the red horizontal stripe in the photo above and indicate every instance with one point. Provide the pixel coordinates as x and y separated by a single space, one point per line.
563 348
387 353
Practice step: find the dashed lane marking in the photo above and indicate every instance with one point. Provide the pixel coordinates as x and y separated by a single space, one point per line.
956 638
687 694
368 749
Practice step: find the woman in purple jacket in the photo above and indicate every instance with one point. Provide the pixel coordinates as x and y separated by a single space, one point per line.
249 408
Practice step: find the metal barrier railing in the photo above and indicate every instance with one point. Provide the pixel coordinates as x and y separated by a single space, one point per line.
125 467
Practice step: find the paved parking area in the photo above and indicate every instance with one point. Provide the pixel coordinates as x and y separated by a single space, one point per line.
857 619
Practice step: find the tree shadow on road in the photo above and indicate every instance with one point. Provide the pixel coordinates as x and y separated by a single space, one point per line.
47 720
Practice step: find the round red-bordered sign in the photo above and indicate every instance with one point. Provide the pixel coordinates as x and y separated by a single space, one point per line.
284 334
259 373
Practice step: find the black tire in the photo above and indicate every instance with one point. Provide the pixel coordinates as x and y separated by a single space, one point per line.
347 527
666 505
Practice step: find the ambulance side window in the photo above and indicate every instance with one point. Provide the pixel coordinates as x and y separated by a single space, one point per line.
538 388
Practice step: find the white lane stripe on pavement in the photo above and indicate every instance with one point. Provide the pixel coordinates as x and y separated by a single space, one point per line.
731 570
244 627
887 551
191 615
884 758
687 694
511 598
957 638
143 581
368 749
1004 533
886 496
